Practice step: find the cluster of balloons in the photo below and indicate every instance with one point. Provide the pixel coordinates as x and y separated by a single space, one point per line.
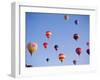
48 35
33 46
66 17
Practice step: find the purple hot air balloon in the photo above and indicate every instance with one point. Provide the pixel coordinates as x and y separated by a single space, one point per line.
88 51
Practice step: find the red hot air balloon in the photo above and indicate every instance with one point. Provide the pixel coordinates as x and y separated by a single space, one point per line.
48 34
45 44
61 57
88 51
76 36
78 51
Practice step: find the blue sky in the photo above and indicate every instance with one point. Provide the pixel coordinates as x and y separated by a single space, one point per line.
62 35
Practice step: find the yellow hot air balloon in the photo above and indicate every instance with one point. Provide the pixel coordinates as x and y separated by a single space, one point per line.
32 47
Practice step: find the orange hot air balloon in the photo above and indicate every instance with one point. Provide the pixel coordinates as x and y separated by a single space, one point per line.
61 57
48 34
78 51
45 44
32 47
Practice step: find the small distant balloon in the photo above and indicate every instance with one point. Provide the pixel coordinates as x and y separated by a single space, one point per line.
48 34
88 51
61 57
66 17
32 47
74 62
56 47
76 36
76 22
45 45
87 43
78 51
47 59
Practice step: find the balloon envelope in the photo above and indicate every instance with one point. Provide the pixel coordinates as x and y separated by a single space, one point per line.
87 43
76 36
48 34
45 44
56 47
78 51
32 47
61 57
66 17
76 22
47 59
88 51
74 62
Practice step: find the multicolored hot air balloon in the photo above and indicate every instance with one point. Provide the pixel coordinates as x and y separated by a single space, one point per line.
76 22
45 45
66 17
32 47
74 62
61 57
76 36
48 34
78 51
56 47
88 51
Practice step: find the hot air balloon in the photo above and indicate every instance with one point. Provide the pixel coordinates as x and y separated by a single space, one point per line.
78 51
74 62
66 17
76 36
32 47
76 22
61 57
48 34
45 44
47 59
88 51
87 43
56 47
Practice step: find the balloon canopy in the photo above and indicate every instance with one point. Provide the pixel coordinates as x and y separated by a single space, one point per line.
74 62
47 59
45 45
61 57
32 47
48 34
78 51
76 22
56 47
76 36
66 17
88 51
